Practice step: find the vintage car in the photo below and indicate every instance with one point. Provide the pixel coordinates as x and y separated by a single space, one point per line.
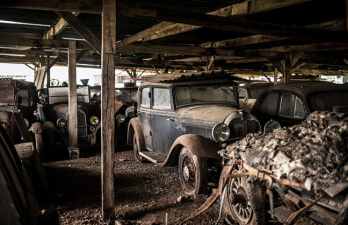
55 112
184 121
18 102
125 110
289 104
291 175
250 91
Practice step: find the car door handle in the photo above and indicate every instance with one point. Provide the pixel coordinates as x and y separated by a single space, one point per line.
170 119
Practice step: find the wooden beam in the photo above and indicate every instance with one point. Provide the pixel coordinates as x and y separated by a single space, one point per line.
48 71
82 30
55 29
346 18
334 25
167 49
107 105
243 41
165 29
72 98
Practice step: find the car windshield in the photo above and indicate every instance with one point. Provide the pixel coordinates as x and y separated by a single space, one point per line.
205 94
327 101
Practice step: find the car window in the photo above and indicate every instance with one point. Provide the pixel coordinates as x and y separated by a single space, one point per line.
146 97
269 104
161 98
287 105
291 106
205 94
300 111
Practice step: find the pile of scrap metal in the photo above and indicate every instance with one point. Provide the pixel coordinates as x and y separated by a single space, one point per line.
295 175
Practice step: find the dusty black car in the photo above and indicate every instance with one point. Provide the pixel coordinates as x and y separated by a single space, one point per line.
55 115
250 91
18 102
290 104
184 122
125 110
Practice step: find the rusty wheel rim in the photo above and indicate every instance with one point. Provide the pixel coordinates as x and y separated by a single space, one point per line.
238 201
189 173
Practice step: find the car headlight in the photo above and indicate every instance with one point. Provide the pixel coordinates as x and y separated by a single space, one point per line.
120 118
61 123
221 132
94 120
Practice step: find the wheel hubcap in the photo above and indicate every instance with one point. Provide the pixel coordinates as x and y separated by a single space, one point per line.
238 200
186 172
189 173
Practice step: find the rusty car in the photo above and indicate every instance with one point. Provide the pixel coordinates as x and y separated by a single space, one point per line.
290 104
125 110
18 102
249 92
54 114
183 121
292 175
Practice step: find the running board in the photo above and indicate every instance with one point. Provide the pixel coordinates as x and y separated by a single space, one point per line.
148 158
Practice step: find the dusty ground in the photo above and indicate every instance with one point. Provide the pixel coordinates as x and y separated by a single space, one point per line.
144 192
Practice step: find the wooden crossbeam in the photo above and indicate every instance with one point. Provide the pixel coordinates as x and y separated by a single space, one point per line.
55 29
82 30
165 29
334 25
177 50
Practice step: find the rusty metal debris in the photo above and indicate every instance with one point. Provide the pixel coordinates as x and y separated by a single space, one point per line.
313 154
307 163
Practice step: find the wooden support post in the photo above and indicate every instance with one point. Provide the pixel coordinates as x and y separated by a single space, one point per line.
285 71
72 99
346 19
48 72
107 106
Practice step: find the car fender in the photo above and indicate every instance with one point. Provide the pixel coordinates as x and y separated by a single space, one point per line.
198 145
135 128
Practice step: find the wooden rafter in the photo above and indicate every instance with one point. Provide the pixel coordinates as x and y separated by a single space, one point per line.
55 29
165 29
82 30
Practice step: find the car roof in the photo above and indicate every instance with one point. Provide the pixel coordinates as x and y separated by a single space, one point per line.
305 88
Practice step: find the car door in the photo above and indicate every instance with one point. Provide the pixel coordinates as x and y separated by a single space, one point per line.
163 120
267 107
145 115
291 109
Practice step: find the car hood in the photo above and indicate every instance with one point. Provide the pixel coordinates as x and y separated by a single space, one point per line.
205 113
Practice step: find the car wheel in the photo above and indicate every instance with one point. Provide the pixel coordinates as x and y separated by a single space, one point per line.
192 173
245 202
136 149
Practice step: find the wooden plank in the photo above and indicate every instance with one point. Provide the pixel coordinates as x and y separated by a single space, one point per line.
48 71
242 41
107 106
334 25
82 30
167 49
55 29
165 29
72 96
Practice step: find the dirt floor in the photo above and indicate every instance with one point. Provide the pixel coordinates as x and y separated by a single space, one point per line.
144 192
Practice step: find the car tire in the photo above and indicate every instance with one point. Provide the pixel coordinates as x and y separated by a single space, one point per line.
245 202
136 149
192 173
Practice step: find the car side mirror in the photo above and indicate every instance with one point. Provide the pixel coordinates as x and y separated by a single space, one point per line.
270 126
